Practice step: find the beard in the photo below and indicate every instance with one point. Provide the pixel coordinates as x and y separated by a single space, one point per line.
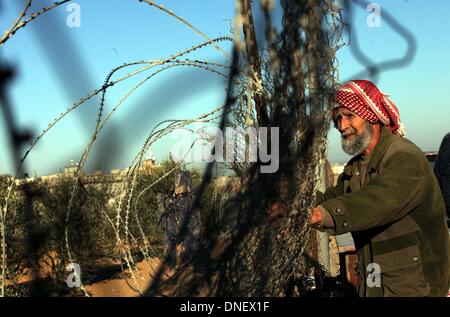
360 141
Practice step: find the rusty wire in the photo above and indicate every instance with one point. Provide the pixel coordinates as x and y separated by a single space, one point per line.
249 256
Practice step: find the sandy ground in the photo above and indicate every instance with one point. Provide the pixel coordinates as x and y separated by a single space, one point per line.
121 284
125 285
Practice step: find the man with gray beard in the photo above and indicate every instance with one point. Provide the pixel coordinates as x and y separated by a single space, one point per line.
388 198
360 142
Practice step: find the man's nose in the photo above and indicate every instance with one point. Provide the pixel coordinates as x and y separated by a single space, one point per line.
343 125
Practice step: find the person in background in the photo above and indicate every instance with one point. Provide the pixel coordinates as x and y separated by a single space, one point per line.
442 172
173 208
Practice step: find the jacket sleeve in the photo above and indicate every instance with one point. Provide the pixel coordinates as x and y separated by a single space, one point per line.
386 198
331 192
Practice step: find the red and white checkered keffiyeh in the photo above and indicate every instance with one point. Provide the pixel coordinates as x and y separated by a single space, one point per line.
366 100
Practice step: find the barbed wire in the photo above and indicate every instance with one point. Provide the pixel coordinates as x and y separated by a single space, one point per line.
237 268
20 22
108 83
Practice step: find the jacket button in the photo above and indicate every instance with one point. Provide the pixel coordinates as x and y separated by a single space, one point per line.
416 259
344 224
338 211
357 173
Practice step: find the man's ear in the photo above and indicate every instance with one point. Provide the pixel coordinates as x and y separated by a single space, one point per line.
376 127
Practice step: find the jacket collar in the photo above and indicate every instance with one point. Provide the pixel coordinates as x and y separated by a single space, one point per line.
384 141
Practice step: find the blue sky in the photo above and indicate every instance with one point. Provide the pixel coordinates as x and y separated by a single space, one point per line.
56 65
421 89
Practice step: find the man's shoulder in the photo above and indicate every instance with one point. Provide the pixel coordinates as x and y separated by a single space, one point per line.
404 145
401 148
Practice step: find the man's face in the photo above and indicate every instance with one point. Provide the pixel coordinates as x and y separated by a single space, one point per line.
355 131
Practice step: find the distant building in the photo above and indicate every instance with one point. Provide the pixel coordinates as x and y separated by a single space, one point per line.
337 169
97 177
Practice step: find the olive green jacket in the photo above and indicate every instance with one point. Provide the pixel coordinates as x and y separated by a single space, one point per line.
397 220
